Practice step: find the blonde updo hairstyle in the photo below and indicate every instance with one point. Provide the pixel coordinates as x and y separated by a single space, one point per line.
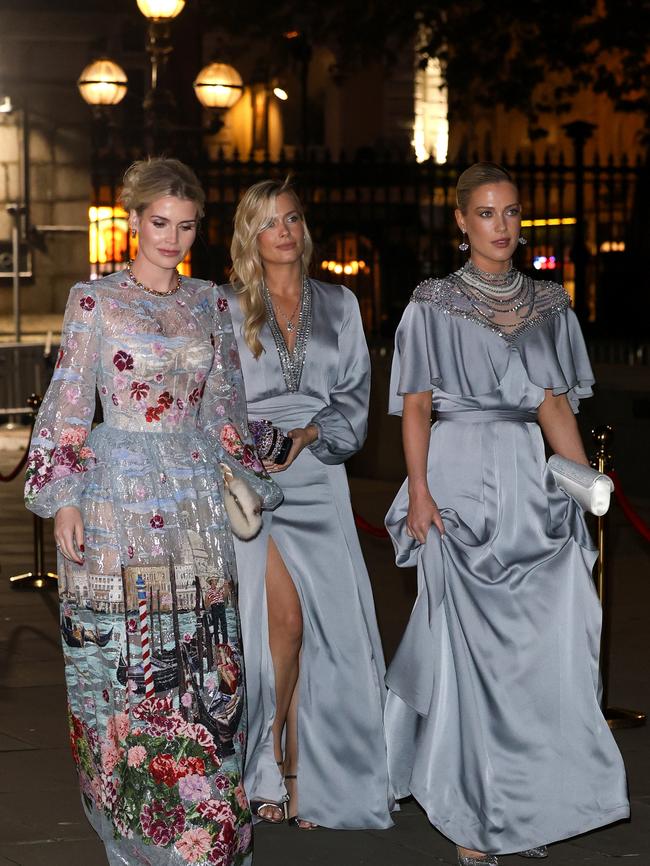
478 175
255 212
150 179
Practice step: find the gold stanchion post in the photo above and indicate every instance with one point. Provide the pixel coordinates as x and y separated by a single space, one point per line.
617 717
38 577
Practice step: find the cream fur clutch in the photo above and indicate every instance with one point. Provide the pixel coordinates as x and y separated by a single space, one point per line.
243 505
590 488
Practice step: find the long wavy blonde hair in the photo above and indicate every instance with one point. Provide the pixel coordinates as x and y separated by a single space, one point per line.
254 213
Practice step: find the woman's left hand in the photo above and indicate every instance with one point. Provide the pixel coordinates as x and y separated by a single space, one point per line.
302 437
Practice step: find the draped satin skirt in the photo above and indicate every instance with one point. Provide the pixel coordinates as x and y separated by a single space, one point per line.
342 764
492 720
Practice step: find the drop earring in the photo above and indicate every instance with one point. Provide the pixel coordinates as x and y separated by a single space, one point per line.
463 246
134 233
522 240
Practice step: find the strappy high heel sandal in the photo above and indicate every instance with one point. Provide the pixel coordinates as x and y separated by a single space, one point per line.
295 820
538 853
282 807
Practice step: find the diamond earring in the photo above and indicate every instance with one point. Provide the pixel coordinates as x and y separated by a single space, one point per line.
522 240
463 246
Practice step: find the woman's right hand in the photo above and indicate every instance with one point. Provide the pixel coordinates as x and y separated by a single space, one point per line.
422 512
69 533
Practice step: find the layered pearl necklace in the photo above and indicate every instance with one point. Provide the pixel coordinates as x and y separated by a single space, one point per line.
144 288
505 292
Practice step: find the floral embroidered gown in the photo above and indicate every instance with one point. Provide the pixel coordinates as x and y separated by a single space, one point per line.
156 703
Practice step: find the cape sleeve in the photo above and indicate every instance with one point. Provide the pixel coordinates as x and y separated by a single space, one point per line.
223 417
342 425
555 357
415 365
59 457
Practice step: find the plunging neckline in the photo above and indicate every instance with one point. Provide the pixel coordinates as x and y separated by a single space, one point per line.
291 361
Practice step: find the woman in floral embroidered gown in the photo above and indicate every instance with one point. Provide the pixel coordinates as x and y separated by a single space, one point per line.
156 703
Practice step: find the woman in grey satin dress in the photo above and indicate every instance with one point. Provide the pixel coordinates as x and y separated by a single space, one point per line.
314 662
492 720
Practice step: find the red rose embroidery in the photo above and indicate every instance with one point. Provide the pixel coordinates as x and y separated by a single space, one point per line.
139 390
222 304
87 303
165 400
156 522
154 413
123 361
163 769
190 766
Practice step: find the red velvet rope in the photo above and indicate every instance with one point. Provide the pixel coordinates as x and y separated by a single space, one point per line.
21 465
628 510
368 528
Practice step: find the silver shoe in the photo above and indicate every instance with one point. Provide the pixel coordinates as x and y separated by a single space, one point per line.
487 860
535 853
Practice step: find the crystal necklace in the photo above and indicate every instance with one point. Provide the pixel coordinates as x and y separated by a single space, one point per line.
277 309
144 288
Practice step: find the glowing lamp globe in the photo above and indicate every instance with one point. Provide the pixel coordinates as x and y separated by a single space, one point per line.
159 10
218 85
103 82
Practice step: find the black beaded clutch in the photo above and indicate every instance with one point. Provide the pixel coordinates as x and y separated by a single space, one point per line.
270 442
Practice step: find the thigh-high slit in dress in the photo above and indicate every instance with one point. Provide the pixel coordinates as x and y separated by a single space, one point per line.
342 772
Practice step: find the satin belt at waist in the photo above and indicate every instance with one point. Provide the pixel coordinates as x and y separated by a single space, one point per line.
478 416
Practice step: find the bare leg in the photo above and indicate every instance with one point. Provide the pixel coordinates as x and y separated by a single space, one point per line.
291 762
285 639
468 852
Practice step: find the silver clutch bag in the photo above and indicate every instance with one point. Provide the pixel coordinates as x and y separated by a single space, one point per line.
591 489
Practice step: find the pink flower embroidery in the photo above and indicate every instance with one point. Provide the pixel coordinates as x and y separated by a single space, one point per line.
136 756
156 522
159 377
130 551
115 400
110 757
87 303
195 456
194 844
180 404
123 361
45 433
104 390
139 390
222 304
186 700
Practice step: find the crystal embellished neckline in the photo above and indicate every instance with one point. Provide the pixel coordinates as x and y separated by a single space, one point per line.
501 286
149 291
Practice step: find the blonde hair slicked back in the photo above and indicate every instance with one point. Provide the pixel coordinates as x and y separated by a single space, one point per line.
254 211
478 175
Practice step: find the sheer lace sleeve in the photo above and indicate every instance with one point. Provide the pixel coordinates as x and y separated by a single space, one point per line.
59 458
223 416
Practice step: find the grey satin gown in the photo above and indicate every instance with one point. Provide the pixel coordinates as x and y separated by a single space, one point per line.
342 766
492 719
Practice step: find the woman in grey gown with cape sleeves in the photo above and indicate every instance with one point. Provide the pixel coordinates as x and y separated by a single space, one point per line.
314 663
492 718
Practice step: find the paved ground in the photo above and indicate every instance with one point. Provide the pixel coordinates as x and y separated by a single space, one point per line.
41 821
